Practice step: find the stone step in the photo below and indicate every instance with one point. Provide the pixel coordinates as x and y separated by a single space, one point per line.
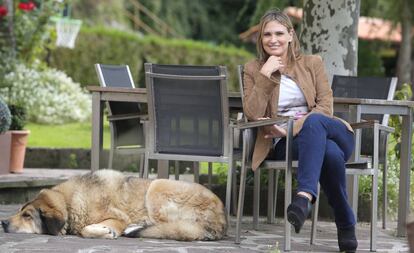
20 188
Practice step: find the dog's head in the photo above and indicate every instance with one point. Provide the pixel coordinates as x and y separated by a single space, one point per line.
46 214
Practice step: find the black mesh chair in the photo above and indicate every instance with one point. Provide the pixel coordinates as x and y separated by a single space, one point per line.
127 130
374 88
189 116
249 130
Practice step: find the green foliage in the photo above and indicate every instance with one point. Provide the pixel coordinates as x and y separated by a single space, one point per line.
115 47
216 21
56 99
103 12
370 62
19 116
24 34
73 161
381 8
404 93
5 117
263 6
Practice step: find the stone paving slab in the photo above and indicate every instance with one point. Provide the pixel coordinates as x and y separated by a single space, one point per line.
268 239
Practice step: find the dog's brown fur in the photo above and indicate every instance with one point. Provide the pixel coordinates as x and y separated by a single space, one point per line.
107 204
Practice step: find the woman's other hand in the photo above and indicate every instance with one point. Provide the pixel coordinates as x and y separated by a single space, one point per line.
273 64
273 131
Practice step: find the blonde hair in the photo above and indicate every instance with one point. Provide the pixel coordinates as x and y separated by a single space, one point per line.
280 17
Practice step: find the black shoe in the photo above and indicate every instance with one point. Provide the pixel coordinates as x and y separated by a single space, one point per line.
298 211
347 240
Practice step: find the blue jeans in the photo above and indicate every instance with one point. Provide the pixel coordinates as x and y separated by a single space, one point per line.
322 147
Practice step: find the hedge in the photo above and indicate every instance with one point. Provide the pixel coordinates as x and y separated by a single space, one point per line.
110 46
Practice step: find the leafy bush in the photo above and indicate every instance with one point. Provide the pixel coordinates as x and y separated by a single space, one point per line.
110 46
25 32
5 117
19 116
49 95
370 60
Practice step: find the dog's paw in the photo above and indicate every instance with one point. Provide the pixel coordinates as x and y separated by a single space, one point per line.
98 231
133 230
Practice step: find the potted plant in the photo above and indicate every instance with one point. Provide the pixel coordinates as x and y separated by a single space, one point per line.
13 142
19 137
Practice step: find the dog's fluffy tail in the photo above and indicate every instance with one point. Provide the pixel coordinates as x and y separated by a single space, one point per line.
181 231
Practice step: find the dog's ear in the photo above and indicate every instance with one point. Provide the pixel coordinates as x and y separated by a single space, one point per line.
51 224
52 209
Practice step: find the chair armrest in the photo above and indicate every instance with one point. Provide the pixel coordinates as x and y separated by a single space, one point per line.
127 116
370 124
241 124
386 129
364 124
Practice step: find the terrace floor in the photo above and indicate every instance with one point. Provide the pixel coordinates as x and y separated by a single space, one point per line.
268 239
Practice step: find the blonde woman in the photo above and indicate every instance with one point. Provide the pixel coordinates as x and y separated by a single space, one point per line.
282 81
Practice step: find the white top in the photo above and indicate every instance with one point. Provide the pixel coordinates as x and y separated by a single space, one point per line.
292 102
291 98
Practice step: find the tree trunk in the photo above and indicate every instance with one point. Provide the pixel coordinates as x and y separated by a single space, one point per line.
404 54
330 29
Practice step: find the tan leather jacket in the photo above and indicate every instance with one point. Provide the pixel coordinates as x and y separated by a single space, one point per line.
261 96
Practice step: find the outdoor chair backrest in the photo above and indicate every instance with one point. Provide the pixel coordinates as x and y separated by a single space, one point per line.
127 132
365 87
188 107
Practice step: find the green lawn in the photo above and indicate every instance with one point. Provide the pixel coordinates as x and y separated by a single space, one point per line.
73 135
78 135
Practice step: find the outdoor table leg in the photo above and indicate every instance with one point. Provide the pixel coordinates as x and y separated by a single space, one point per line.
97 130
405 169
352 180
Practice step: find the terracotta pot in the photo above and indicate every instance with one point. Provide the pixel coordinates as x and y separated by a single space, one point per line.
18 150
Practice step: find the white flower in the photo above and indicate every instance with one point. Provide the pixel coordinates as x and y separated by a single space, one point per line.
50 96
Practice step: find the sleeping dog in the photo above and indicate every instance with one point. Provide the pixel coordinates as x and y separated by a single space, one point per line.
108 204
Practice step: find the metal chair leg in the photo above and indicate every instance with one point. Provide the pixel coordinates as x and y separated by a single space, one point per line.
277 174
234 196
177 170
374 207
270 196
384 194
288 184
241 200
210 175
256 199
228 188
146 164
196 172
315 211
111 157
141 165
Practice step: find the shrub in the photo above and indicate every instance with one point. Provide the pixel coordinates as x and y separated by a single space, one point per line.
5 117
110 46
19 116
25 31
49 95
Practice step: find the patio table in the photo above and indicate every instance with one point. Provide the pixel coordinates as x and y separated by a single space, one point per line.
355 106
